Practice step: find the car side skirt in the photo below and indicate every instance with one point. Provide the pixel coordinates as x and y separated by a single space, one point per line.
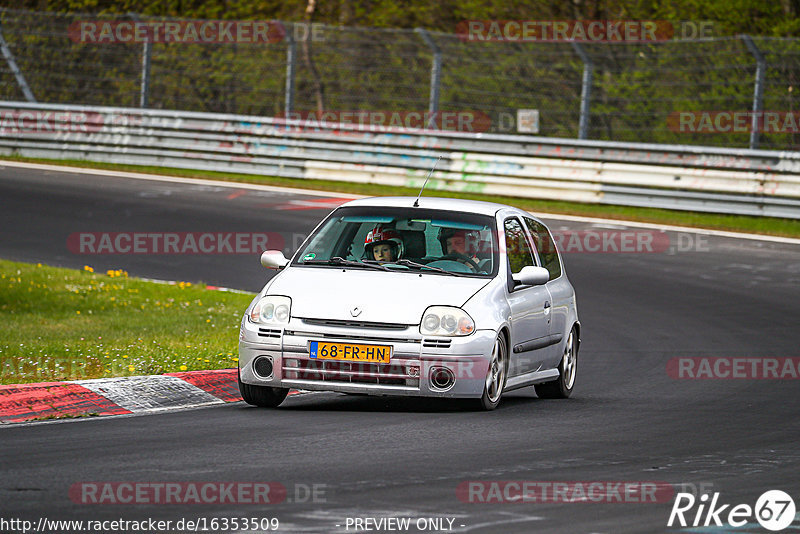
529 379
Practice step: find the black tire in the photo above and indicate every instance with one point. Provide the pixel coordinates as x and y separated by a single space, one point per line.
562 387
493 390
262 396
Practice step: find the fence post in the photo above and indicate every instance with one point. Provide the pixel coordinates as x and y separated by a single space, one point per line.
147 52
436 75
291 58
758 91
586 90
12 64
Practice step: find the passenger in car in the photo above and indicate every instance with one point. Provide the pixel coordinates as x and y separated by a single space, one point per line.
384 244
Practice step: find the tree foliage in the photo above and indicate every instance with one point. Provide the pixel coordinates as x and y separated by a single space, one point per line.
372 59
758 17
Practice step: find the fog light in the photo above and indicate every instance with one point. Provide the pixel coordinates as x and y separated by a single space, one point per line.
262 367
442 378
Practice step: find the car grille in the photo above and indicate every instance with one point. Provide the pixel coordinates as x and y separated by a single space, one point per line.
355 324
436 343
269 332
329 371
350 337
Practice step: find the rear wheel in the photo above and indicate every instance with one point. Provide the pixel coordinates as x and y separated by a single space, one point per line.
262 396
495 375
561 388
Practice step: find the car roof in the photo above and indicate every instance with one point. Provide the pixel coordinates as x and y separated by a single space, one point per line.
436 203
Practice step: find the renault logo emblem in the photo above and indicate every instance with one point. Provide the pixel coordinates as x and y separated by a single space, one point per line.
355 312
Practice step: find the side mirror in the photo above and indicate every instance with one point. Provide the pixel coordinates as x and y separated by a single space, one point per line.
532 276
273 259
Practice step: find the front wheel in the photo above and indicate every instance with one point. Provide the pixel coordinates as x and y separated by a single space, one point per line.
262 396
561 388
496 375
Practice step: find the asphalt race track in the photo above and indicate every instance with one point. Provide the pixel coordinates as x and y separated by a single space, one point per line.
372 457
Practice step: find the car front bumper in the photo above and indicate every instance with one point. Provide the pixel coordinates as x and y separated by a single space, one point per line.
414 362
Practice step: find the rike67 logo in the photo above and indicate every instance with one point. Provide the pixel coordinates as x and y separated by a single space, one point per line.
774 510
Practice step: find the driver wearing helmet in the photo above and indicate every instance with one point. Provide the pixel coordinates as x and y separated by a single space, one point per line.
460 244
384 244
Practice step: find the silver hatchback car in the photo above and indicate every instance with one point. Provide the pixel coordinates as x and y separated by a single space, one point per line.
425 297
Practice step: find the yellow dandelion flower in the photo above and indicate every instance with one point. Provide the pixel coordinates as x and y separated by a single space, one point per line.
183 368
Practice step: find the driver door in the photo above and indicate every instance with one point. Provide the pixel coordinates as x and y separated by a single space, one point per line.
530 306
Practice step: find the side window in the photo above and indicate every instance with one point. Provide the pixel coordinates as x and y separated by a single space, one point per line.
517 246
545 247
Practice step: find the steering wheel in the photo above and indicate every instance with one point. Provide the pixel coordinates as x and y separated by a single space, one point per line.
457 256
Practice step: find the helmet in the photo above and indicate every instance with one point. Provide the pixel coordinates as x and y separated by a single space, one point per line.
382 235
446 233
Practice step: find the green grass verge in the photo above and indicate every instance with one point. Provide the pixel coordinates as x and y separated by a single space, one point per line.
735 223
65 324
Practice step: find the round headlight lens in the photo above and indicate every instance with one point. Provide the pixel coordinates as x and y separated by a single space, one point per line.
282 313
430 322
267 311
449 324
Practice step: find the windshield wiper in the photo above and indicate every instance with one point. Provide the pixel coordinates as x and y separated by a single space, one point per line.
420 266
338 260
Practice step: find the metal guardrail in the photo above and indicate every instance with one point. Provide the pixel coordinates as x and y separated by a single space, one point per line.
738 181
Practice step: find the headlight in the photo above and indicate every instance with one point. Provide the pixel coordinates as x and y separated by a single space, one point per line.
271 309
446 321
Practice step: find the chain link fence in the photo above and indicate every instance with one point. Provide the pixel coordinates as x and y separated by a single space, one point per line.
601 91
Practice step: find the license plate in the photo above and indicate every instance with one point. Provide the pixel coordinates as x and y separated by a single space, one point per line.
323 350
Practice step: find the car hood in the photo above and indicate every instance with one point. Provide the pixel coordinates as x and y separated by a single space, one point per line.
383 297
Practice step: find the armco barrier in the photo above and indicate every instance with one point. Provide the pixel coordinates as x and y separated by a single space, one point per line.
747 182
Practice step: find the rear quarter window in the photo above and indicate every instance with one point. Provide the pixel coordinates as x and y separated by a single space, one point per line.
545 247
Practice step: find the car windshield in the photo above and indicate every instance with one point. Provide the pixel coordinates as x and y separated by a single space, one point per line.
405 239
